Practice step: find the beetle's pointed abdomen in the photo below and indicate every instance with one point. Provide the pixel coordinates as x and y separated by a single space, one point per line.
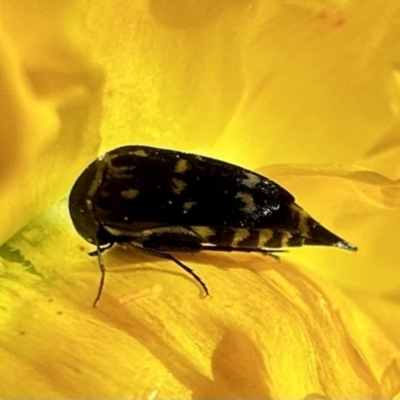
313 233
320 236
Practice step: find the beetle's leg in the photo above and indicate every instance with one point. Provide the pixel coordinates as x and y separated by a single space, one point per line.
102 276
167 256
243 250
97 252
101 249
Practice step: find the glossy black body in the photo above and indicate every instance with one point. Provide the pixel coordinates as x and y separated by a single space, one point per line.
159 201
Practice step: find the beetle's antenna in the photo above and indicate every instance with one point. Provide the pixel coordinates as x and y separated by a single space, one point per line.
167 256
102 277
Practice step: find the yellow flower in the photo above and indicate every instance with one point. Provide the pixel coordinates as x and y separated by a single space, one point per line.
256 83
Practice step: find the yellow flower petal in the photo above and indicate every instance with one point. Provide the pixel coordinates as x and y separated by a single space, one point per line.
166 85
267 330
49 109
320 82
181 74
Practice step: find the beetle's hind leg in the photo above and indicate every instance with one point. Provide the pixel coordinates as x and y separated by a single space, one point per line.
266 252
167 256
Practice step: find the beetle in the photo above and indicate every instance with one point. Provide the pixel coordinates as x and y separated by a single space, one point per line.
159 201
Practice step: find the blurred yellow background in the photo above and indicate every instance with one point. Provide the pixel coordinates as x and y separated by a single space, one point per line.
304 91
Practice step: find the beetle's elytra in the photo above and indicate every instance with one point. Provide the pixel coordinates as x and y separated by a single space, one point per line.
159 201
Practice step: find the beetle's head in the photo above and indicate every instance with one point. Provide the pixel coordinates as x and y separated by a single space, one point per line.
82 205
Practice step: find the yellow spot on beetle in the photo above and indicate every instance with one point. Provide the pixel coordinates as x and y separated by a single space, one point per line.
178 230
140 153
251 181
248 202
129 194
286 236
181 166
97 181
265 237
188 205
302 218
178 186
240 234
203 231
